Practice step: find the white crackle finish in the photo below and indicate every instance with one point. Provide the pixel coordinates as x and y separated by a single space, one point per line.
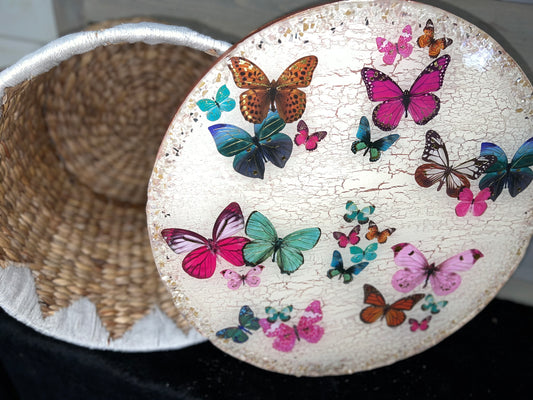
485 97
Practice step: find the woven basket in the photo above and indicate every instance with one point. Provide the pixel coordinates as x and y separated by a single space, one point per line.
77 145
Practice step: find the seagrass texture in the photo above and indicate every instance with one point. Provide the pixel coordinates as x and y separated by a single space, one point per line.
77 146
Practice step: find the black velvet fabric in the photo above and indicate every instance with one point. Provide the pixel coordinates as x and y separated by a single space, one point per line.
491 357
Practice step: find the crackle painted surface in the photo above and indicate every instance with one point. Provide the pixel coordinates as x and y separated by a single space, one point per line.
345 320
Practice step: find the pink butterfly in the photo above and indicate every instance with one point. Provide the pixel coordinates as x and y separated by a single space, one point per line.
303 136
423 325
467 202
202 258
403 47
418 101
307 329
351 238
251 278
444 278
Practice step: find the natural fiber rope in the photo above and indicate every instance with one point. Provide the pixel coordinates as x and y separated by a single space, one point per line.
77 147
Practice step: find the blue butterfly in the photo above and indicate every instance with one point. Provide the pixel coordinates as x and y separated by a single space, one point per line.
367 254
432 305
283 315
215 107
338 268
356 213
251 153
364 142
286 252
247 322
515 175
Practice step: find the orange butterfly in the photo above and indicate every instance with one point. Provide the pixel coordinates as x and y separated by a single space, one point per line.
281 94
394 314
435 45
373 232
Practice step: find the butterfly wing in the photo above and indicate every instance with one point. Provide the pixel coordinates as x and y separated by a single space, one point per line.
388 48
381 145
307 327
466 197
183 240
312 142
303 133
370 251
437 45
252 277
415 267
223 100
275 146
445 279
284 334
229 222
377 305
404 47
480 202
213 110
234 279
356 269
395 314
264 236
247 319
233 333
520 175
337 264
290 256
497 176
429 31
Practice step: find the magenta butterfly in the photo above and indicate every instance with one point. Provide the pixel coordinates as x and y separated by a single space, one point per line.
467 202
351 238
423 325
251 278
303 136
306 329
419 101
444 278
403 47
202 258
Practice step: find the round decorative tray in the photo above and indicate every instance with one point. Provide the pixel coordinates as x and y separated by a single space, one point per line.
345 188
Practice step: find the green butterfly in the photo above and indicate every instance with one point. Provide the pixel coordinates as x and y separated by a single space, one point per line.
247 323
283 315
287 251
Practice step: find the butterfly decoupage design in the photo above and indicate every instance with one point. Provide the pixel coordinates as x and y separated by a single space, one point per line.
394 314
391 50
467 202
286 251
419 101
309 140
345 274
439 170
515 175
282 95
375 233
247 323
428 40
422 325
251 153
307 329
352 237
365 143
444 277
283 315
434 306
214 108
250 278
201 260
354 213
369 253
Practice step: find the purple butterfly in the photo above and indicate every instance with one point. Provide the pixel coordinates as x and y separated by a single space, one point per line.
418 101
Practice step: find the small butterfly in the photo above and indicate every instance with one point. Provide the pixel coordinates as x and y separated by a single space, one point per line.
366 144
419 101
374 232
440 170
467 202
306 329
403 47
251 153
283 315
394 313
435 45
286 252
432 305
369 253
282 94
355 213
338 268
516 175
247 323
202 258
303 137
215 107
235 280
423 325
351 238
444 278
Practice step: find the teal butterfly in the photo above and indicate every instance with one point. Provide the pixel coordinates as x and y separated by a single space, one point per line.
287 251
365 143
355 213
338 268
247 322
367 254
434 306
274 314
214 108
